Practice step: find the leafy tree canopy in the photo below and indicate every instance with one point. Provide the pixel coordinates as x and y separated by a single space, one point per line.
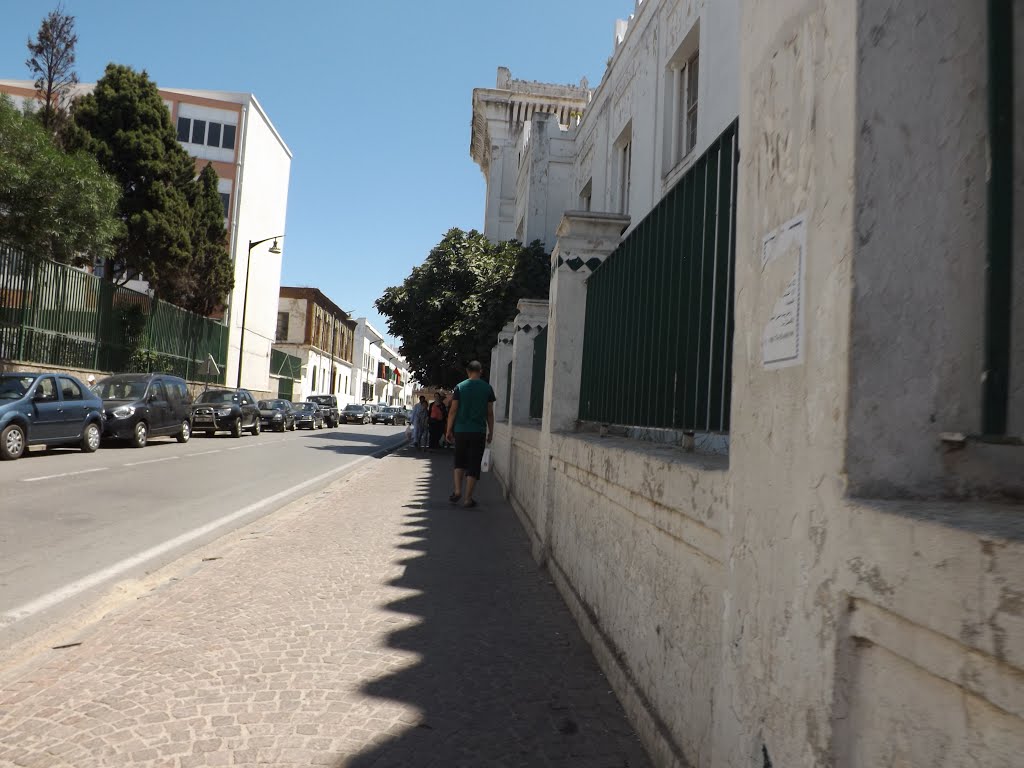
52 204
450 309
126 126
52 64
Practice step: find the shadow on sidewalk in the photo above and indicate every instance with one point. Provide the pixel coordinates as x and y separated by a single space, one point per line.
504 677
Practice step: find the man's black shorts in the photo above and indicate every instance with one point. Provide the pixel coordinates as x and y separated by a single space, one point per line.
469 450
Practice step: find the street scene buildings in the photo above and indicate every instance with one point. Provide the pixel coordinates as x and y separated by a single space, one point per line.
754 466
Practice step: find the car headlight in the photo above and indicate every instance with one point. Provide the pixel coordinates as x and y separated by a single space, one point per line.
124 411
278 416
223 411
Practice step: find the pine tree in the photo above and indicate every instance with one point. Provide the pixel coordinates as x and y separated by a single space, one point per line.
52 64
126 126
211 262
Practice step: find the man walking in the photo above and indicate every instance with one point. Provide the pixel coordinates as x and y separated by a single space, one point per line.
471 427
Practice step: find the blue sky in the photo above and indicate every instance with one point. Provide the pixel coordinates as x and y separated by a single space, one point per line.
374 99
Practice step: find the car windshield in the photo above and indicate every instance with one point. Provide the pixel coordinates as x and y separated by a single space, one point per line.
14 387
354 408
120 388
305 406
217 396
272 405
321 399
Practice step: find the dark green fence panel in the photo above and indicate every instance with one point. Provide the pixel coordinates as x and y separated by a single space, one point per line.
54 314
284 365
508 389
540 359
659 325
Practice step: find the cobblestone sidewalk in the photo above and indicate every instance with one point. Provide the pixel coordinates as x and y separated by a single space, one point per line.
369 625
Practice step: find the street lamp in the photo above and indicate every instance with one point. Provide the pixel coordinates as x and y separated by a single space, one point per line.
274 249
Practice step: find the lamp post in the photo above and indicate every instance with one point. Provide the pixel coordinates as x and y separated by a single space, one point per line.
245 300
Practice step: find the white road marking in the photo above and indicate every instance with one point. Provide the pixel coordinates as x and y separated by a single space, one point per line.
62 474
243 447
58 596
202 453
151 461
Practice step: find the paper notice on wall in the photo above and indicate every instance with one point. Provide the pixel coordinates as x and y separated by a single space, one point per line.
783 253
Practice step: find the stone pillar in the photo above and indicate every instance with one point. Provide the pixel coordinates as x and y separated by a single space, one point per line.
501 356
585 240
531 320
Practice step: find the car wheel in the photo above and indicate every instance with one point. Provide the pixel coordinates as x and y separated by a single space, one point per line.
256 428
140 435
185 432
12 442
91 437
236 427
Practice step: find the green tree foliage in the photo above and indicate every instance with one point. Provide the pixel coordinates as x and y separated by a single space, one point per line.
450 309
211 263
52 204
126 126
52 64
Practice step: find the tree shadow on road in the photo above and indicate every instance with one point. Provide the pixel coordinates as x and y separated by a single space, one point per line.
505 677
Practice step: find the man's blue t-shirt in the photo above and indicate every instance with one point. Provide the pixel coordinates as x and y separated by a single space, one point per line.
472 395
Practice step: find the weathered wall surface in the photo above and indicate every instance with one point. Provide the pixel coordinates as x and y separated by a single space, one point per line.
919 273
636 538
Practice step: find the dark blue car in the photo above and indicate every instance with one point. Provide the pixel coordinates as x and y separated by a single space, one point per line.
47 409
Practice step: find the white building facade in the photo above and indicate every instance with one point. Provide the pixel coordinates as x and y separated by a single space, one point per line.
322 335
819 565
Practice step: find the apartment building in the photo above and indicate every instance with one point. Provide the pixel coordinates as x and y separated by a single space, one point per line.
233 132
322 335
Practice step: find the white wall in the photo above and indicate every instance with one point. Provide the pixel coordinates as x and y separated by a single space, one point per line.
262 202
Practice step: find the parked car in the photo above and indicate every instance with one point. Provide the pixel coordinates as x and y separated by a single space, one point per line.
47 409
374 412
393 416
308 415
356 414
329 405
138 406
277 415
226 410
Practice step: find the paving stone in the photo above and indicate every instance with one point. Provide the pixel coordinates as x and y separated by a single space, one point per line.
371 624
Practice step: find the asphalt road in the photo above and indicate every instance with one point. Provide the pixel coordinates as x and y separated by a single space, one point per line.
74 524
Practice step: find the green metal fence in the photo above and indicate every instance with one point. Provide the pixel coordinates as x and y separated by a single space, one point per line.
284 365
540 359
658 337
53 314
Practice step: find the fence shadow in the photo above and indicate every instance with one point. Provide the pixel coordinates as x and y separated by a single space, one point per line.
504 677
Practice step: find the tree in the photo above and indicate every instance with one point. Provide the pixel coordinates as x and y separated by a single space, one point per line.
53 204
52 64
211 261
450 309
125 125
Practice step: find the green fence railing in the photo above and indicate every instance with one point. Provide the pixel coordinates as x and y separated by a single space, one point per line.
540 359
284 365
54 314
658 335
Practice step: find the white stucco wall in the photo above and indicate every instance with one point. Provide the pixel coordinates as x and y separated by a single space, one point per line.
262 203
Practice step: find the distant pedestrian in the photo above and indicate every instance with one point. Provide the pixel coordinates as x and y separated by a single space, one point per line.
471 427
419 424
438 417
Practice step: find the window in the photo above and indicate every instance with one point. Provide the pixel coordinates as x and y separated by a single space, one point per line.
184 128
585 195
157 390
198 131
213 135
46 390
625 170
228 139
314 378
69 389
225 200
687 100
282 326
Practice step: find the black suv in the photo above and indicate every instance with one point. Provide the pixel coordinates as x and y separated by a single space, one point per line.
226 410
138 406
328 406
